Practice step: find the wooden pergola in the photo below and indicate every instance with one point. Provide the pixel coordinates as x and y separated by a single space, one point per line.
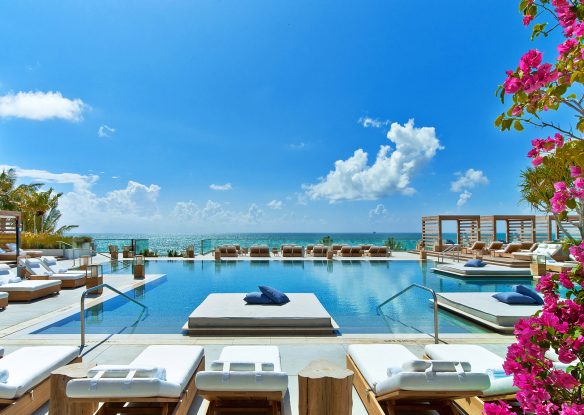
471 228
10 229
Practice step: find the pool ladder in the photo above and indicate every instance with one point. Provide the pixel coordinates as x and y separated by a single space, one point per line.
421 287
452 251
82 309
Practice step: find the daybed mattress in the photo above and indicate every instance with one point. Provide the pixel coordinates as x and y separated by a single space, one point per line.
28 285
373 361
229 311
482 307
488 270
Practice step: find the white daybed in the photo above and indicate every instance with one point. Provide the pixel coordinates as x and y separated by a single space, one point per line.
28 383
37 269
229 313
489 270
25 290
482 308
390 375
160 375
252 373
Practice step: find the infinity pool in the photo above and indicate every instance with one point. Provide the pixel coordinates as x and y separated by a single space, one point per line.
349 290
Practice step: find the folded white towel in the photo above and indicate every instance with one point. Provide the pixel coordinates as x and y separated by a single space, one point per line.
219 365
435 366
122 371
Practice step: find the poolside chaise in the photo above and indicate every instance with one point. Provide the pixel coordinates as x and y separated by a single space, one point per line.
345 251
9 252
320 251
476 248
389 376
161 378
36 269
259 251
494 246
51 263
336 249
379 251
25 290
508 250
229 251
481 360
356 251
27 386
550 251
244 377
287 251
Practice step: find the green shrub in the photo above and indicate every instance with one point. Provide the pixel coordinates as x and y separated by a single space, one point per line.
30 240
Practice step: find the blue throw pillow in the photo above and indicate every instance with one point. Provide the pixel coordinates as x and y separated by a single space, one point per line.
530 292
450 242
514 298
477 263
276 296
257 298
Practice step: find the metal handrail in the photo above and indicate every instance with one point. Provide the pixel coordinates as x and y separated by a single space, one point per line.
435 298
454 250
82 310
72 247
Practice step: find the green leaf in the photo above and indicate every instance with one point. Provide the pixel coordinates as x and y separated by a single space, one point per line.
517 125
499 119
571 203
506 124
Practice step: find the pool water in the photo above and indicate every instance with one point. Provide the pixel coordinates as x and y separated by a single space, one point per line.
349 290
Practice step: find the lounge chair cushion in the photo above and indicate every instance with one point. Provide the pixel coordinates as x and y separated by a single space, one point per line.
28 366
67 276
529 292
476 263
513 298
277 296
179 362
262 357
480 359
29 285
373 361
257 298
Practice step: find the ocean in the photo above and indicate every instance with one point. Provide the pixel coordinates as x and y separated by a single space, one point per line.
162 243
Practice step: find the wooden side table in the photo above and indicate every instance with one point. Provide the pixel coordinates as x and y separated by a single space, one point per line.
91 282
60 404
325 389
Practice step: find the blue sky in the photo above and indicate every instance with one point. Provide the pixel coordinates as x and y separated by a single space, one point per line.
224 116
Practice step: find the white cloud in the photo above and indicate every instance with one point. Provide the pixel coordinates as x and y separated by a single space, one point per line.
214 213
463 198
368 122
105 131
297 146
275 204
221 187
80 182
41 106
378 212
468 180
254 213
392 171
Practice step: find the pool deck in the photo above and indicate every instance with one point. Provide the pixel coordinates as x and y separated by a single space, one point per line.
19 320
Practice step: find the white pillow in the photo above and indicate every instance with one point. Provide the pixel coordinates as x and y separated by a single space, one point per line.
219 365
14 280
121 371
436 365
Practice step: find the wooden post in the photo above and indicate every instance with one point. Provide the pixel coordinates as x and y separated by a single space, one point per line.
325 389
59 403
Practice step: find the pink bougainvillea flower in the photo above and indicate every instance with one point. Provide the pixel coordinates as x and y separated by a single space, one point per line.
537 161
499 408
575 171
527 19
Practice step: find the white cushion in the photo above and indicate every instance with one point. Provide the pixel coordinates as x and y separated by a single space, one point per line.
29 285
69 277
49 260
373 360
179 362
480 359
2 296
4 267
29 366
239 379
36 267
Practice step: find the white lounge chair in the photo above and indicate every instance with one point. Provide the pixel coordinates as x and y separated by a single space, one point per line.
552 252
25 290
481 360
10 252
28 370
390 376
162 376
250 374
51 263
36 268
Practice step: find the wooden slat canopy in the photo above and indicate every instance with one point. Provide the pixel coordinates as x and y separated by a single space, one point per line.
10 229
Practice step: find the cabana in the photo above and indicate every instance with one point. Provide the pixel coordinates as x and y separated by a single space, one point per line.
467 230
10 232
517 227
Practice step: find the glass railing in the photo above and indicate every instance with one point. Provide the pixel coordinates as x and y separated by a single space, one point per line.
138 245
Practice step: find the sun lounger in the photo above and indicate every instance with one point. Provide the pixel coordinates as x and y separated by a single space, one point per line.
9 253
259 251
287 250
385 378
508 250
481 360
297 251
345 251
52 265
489 270
550 251
476 247
27 387
494 246
36 269
229 251
243 374
336 249
379 251
319 251
25 290
356 251
162 376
